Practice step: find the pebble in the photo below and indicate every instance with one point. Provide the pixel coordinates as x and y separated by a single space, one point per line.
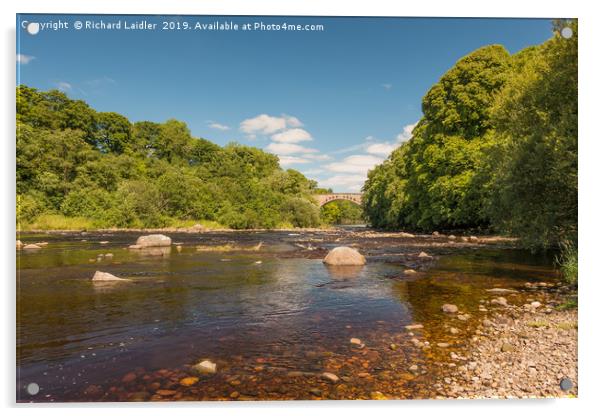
356 341
333 378
414 326
189 381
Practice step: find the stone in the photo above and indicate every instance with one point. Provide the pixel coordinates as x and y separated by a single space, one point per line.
189 381
393 347
535 304
407 235
409 272
413 327
139 396
507 347
103 242
413 368
153 240
423 255
474 238
107 277
205 367
377 395
435 233
344 256
442 344
93 391
19 245
166 393
129 377
449 308
464 317
31 247
109 255
134 247
499 301
333 378
454 331
356 341
464 239
234 395
452 237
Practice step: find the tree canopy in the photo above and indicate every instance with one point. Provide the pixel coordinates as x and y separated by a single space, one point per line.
76 162
496 149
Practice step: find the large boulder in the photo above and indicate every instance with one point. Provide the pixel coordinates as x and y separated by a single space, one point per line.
344 256
106 277
152 240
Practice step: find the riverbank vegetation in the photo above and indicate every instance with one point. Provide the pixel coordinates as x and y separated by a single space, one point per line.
496 149
78 168
341 212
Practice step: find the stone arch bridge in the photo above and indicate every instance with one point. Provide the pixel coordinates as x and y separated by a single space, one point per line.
324 199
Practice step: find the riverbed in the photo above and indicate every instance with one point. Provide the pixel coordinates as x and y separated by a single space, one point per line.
261 305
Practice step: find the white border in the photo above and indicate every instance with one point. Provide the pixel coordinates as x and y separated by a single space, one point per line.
590 200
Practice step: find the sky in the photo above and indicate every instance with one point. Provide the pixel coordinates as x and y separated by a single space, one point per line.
330 102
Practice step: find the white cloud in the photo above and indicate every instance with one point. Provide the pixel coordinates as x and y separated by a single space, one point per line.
320 157
292 136
266 124
352 183
292 160
218 126
358 164
24 59
381 149
64 86
406 134
313 171
288 149
387 86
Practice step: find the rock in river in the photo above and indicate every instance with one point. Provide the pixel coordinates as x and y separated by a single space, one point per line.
19 245
31 247
344 256
106 277
449 308
152 240
206 367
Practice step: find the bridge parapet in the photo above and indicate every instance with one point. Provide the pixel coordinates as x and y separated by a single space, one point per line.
324 199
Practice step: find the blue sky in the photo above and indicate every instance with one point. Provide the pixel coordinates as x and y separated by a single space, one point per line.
330 103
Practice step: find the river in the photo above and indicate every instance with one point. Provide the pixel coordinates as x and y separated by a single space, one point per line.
271 316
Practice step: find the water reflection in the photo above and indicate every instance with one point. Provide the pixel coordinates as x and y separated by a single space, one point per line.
183 305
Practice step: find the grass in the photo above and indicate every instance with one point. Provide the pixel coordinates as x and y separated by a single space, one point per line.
57 222
537 324
206 224
568 304
567 325
229 247
568 262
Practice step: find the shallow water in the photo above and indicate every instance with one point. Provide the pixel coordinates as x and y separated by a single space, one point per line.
257 314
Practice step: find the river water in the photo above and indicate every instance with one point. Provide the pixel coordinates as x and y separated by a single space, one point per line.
272 316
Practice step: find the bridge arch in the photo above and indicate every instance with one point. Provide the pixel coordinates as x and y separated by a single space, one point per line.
324 199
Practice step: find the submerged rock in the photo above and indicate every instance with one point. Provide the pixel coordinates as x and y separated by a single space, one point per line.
414 326
31 247
449 308
344 256
106 277
333 378
205 367
152 240
500 291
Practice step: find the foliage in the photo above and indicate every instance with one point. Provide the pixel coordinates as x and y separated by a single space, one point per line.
496 149
341 212
78 166
568 262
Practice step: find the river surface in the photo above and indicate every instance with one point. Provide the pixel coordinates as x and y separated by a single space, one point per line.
271 316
